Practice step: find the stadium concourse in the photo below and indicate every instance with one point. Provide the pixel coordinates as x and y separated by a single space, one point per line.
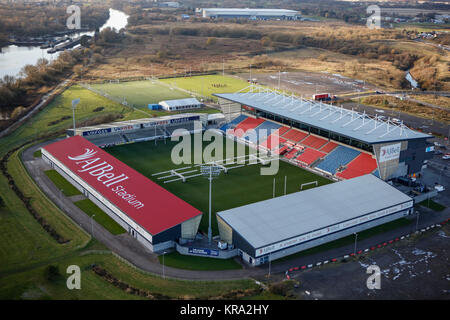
335 142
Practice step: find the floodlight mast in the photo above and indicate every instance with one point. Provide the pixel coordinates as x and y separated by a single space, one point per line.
209 171
74 105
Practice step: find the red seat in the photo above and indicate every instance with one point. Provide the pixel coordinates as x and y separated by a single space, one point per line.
295 135
314 142
361 165
309 156
329 147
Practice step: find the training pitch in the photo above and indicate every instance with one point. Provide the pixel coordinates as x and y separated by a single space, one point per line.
238 187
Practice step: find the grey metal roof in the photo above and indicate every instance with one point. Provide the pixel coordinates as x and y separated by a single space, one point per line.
181 102
271 221
352 124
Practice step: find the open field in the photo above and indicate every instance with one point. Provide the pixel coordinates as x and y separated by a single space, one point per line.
411 107
33 284
307 84
140 93
207 85
238 187
436 100
88 207
62 184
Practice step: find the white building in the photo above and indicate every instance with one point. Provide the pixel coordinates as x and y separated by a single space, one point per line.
263 14
180 104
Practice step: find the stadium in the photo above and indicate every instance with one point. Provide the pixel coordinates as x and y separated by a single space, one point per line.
328 186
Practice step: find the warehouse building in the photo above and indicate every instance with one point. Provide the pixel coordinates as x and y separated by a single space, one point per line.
279 227
253 14
180 104
151 214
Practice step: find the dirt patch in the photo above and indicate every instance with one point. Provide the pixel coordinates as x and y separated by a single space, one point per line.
414 269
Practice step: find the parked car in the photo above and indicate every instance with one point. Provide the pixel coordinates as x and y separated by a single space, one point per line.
446 157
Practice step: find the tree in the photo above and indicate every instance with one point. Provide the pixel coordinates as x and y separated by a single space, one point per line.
211 41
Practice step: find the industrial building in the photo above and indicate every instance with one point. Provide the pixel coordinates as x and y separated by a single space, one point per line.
253 14
150 213
180 104
331 140
279 227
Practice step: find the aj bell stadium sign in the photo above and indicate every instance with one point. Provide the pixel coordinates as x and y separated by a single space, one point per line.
102 170
391 152
331 229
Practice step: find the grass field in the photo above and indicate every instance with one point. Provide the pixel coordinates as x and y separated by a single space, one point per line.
176 260
62 184
432 205
207 85
100 216
141 93
238 187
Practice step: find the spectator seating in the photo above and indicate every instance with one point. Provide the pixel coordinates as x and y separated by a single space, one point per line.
281 150
340 156
291 154
329 147
314 142
263 130
247 124
233 122
272 142
295 135
309 156
283 130
361 165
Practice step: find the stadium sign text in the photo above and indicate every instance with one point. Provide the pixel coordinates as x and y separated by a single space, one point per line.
333 228
103 172
391 152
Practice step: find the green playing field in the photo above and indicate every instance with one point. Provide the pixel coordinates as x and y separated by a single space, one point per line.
141 93
236 188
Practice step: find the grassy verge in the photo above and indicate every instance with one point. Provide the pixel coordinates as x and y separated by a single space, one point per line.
432 205
61 183
34 284
37 154
349 239
100 217
180 261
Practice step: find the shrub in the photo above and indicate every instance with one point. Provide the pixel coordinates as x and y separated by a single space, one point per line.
2 203
52 273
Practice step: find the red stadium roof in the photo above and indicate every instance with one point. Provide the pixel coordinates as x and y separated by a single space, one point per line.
149 205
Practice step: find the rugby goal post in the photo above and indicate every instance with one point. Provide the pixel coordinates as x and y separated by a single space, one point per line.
308 184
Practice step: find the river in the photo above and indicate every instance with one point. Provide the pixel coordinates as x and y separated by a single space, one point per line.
13 58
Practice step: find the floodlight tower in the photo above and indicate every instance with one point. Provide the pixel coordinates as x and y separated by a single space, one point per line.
74 105
210 171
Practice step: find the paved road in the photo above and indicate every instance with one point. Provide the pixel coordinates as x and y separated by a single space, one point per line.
127 247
